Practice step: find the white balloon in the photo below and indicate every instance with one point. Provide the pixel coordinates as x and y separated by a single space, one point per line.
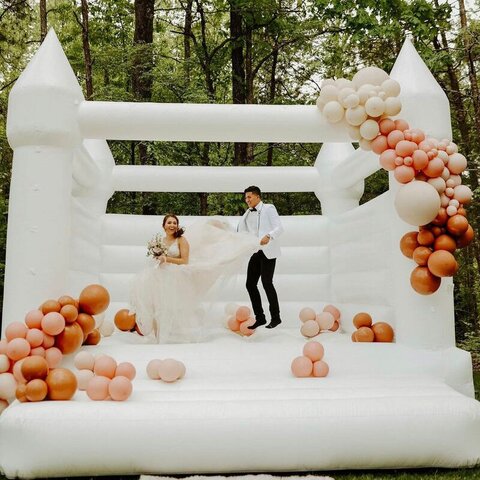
356 116
106 329
329 93
99 319
375 106
344 93
351 101
417 203
365 144
364 92
320 103
344 83
393 106
328 81
373 75
83 377
333 111
354 132
8 386
369 129
4 363
391 87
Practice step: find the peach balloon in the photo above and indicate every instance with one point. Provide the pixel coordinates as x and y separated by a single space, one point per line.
3 346
442 264
302 367
105 366
362 319
335 327
423 281
124 321
93 338
438 183
320 369
313 350
36 390
307 313
405 148
244 330
8 386
69 313
420 159
97 388
394 137
152 369
17 371
169 370
84 361
83 378
465 239
383 332
387 159
457 225
401 125
379 144
94 299
364 334
53 323
34 367
457 163
404 174
242 314
445 242
18 348
71 339
62 384
434 168
386 126
325 320
125 369
34 337
38 351
233 324
334 311
4 363
310 329
53 356
50 306
48 340
120 388
462 193
16 330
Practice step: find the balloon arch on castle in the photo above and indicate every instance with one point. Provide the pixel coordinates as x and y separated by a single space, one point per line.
400 395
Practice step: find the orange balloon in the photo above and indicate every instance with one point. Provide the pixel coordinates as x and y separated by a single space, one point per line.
123 321
66 300
36 390
421 254
21 392
69 313
50 306
70 339
362 320
86 322
461 211
94 299
364 334
457 225
425 237
34 367
61 383
354 336
383 332
442 264
423 281
465 239
437 231
441 219
408 243
445 242
93 338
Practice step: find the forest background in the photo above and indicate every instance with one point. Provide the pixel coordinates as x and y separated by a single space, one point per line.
249 52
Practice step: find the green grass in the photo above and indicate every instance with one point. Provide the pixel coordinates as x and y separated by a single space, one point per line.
419 474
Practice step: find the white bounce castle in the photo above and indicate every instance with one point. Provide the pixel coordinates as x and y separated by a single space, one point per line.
239 409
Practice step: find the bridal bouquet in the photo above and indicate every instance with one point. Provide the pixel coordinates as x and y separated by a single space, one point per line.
156 247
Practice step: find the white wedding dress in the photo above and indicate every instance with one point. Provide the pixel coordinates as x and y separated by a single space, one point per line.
166 297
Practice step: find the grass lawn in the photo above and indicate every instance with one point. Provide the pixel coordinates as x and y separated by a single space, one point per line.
422 474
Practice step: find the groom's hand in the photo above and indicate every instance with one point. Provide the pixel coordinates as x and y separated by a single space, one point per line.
265 240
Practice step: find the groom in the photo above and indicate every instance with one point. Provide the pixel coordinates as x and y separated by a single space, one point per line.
262 220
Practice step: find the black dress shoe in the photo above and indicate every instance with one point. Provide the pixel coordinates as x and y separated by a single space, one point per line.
258 323
274 323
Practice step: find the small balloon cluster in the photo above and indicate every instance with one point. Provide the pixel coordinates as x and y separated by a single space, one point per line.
126 321
310 364
56 328
432 196
315 323
168 370
366 332
103 378
239 319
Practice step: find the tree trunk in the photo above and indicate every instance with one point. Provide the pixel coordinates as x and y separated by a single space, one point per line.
43 19
249 93
273 91
86 51
187 30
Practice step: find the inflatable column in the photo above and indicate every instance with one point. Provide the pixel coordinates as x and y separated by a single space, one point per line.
42 130
422 321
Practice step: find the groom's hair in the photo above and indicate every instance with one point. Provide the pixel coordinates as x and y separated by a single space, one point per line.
253 189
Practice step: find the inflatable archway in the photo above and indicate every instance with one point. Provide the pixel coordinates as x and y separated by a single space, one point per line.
239 408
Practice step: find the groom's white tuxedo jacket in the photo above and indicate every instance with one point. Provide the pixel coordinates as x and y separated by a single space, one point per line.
267 223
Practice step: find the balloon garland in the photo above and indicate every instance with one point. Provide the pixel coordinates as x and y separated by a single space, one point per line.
432 196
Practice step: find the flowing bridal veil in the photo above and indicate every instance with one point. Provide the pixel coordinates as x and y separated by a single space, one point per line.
166 297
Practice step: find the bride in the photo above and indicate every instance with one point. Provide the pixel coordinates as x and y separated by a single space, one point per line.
166 295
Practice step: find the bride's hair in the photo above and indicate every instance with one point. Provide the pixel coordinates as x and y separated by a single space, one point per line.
180 231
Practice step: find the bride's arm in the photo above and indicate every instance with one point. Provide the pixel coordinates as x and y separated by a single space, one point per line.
184 248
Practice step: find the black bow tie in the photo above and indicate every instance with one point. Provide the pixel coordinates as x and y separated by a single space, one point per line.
253 209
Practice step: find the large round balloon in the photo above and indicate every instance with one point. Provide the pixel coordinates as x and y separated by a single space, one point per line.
423 281
61 383
70 339
417 203
94 299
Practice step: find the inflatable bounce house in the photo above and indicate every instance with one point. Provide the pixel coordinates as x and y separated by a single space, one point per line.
239 408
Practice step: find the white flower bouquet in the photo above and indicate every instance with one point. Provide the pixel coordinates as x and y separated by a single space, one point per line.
156 247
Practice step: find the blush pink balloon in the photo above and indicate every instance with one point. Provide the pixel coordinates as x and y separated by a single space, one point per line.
105 366
125 369
17 371
462 193
34 337
443 156
404 174
394 137
53 356
386 126
84 361
418 135
434 168
457 163
425 145
420 159
306 313
310 329
83 378
451 210
242 314
320 369
97 388
379 144
53 323
33 319
325 320
4 363
169 370
16 330
40 351
313 350
233 324
18 348
401 125
244 330
333 310
335 327
48 340
153 369
405 148
302 367
120 388
3 346
387 159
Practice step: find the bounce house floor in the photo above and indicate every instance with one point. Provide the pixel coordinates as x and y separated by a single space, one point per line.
239 409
